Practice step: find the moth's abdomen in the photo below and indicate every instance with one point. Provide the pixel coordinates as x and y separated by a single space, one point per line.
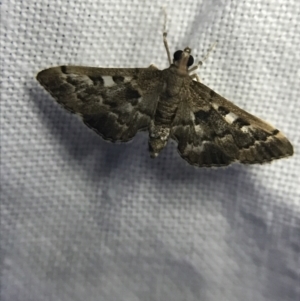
165 111
159 131
158 138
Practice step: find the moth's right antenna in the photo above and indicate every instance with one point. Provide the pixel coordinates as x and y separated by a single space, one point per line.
205 57
165 35
210 49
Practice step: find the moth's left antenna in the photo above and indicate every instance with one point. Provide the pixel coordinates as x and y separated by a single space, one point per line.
165 35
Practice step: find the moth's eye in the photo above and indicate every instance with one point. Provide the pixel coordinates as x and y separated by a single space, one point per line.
177 55
191 61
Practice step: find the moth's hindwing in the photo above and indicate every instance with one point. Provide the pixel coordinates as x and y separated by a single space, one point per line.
212 131
116 103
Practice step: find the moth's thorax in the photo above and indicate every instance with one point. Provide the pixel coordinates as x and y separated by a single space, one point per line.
174 80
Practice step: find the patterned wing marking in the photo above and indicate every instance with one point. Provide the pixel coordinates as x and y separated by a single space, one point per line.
212 131
116 103
196 142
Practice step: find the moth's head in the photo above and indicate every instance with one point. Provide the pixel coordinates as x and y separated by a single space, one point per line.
183 59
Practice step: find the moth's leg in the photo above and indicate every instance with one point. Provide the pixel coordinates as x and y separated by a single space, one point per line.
153 67
195 76
165 37
195 67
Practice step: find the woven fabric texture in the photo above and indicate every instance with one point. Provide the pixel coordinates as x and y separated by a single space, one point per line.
83 219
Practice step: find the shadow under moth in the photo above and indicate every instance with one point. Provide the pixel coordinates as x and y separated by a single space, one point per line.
170 103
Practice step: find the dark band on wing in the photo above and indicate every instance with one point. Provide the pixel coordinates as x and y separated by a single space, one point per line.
215 126
118 79
240 122
223 111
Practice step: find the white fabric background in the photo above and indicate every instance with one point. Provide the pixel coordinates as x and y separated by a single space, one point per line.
82 219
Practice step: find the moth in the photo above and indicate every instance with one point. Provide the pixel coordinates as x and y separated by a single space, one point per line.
169 104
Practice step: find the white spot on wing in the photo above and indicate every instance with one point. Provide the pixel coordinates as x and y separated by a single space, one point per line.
127 79
199 130
246 128
215 106
231 117
108 81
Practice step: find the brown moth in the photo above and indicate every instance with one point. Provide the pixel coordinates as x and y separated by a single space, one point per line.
169 103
